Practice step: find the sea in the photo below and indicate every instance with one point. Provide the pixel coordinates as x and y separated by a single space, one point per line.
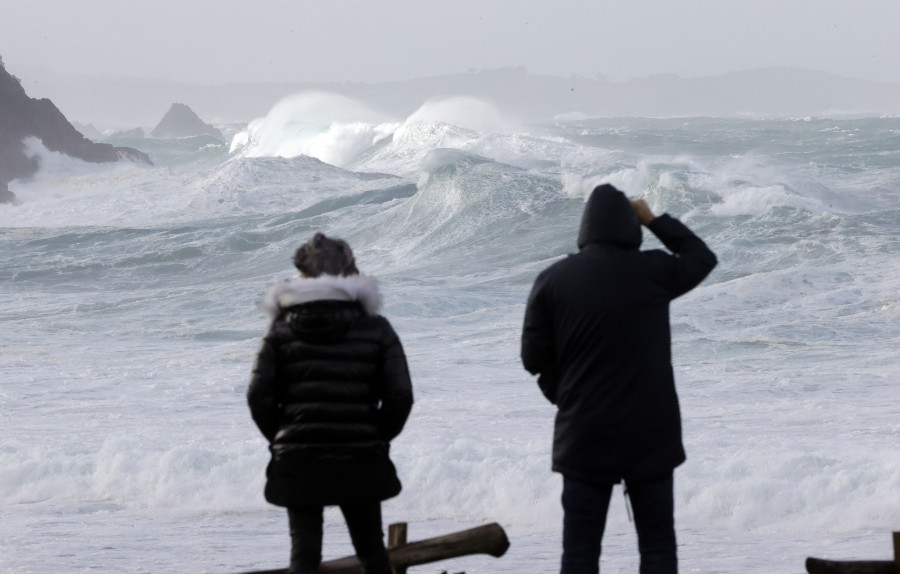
131 318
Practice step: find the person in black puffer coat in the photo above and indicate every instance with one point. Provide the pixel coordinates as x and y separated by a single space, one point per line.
597 332
330 389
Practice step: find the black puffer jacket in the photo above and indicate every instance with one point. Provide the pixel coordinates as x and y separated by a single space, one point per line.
597 331
329 390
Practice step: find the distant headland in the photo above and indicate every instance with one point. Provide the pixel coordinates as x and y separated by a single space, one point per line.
22 116
758 93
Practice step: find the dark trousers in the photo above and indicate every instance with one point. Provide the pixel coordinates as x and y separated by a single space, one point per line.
364 524
585 507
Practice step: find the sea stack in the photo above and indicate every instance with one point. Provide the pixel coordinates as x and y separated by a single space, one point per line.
181 122
22 117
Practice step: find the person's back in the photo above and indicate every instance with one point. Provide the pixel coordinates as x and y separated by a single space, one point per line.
597 331
334 426
330 389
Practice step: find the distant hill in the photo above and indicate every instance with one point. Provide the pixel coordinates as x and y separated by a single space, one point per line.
22 116
769 92
181 122
134 133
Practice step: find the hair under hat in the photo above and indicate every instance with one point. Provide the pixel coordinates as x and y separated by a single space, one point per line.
324 255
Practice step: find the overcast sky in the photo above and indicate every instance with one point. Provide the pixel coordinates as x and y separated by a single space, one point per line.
206 41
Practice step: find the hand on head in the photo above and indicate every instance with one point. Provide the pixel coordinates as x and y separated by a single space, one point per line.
642 210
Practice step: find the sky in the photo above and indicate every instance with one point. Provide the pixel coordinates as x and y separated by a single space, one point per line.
224 41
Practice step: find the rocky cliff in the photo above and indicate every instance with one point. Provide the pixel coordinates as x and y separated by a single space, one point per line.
181 122
22 117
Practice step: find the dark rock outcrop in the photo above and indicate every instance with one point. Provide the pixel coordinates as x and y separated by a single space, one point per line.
6 196
22 117
181 122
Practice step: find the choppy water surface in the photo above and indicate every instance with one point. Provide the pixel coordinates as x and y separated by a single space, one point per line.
130 322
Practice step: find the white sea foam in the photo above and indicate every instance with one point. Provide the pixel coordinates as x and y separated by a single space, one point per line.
132 473
465 112
339 131
329 127
751 200
629 180
409 145
461 198
71 192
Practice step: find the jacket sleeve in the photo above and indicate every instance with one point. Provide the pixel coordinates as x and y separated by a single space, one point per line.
692 261
397 395
262 394
538 354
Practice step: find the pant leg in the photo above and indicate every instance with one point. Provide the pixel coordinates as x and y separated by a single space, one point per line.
584 519
364 523
306 539
654 518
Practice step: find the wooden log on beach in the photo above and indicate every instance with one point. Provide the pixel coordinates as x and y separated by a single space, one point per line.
897 551
397 538
489 539
818 566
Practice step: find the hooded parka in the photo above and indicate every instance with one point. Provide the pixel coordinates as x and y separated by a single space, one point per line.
329 390
597 332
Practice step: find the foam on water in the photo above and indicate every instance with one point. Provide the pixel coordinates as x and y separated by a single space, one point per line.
131 321
70 192
465 112
466 206
342 132
329 127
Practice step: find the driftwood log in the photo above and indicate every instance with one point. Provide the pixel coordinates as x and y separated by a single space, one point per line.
488 539
819 566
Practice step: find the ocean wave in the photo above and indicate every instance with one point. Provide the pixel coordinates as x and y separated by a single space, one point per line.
130 323
465 204
128 195
130 473
344 133
329 127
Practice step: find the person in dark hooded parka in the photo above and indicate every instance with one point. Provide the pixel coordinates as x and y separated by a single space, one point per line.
596 331
330 389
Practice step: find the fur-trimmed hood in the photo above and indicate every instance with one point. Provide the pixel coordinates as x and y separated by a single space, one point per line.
297 290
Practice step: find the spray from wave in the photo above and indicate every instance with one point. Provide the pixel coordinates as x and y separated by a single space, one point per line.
328 127
342 132
465 112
